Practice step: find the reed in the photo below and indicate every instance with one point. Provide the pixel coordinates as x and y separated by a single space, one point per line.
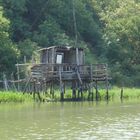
10 96
115 93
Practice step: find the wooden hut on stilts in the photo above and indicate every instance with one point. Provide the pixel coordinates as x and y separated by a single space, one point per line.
65 65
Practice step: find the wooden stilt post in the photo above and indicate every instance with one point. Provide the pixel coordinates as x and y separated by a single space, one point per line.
79 90
61 84
43 87
92 91
62 91
90 84
121 97
51 89
89 92
64 87
92 98
38 89
46 88
34 88
39 97
50 85
31 88
96 88
107 94
73 89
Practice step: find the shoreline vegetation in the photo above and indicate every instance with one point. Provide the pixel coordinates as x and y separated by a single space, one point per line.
17 97
114 94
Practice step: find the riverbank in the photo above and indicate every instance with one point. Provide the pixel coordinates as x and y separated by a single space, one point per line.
114 94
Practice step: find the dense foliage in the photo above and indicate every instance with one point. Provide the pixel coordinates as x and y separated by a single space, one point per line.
109 29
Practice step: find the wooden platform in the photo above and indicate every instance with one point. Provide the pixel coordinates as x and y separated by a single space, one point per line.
96 72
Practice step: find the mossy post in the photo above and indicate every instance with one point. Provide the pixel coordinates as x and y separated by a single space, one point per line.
90 84
90 92
61 84
34 89
121 96
62 91
96 88
80 91
92 96
73 89
52 89
107 94
46 88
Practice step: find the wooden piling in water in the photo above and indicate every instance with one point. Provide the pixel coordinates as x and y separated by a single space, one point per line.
34 90
39 97
107 94
121 96
46 87
74 90
80 91
52 89
62 91
90 92
96 90
92 96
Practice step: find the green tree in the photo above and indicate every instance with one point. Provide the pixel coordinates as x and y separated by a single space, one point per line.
8 51
26 48
121 25
17 12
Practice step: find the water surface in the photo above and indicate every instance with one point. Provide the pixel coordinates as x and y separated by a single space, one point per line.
70 121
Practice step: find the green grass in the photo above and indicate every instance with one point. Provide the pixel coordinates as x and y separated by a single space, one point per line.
9 96
114 94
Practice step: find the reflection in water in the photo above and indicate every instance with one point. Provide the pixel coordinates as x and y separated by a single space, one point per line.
72 120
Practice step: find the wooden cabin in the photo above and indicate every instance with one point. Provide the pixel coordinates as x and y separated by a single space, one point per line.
62 55
56 59
63 64
69 61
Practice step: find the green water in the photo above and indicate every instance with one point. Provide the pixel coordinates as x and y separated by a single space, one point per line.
70 121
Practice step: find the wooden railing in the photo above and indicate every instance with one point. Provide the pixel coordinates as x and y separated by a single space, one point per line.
52 70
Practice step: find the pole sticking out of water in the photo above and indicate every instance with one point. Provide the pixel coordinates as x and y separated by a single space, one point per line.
121 97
